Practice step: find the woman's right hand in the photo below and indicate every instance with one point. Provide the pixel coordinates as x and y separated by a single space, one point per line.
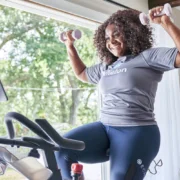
69 39
77 65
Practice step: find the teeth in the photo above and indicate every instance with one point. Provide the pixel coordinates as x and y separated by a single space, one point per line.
116 46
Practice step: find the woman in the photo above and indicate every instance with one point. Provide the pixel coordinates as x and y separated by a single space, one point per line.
127 78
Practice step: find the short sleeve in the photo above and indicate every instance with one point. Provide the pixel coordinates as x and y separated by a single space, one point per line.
162 59
94 73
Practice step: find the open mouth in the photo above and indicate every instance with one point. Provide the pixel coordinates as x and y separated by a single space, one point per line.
115 46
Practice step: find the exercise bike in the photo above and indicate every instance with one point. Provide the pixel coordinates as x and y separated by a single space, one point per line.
48 140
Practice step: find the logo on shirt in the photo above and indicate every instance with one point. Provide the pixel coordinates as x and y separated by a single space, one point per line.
141 165
114 71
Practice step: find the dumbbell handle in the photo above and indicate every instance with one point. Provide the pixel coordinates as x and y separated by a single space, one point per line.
76 34
166 10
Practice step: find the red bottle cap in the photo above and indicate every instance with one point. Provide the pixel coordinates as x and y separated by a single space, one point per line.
76 168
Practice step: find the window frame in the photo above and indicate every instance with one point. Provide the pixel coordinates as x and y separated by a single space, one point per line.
64 16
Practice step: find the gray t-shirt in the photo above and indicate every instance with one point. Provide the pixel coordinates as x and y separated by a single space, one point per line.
128 86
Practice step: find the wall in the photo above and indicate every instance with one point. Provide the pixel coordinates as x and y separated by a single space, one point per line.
176 15
97 10
109 8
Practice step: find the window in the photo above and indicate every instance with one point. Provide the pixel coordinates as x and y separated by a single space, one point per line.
37 76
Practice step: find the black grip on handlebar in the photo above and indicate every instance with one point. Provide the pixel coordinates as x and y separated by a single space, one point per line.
41 143
10 129
25 121
55 136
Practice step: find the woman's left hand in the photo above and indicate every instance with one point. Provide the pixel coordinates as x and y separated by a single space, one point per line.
158 19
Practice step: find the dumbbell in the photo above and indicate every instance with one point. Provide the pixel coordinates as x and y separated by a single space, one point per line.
166 10
76 34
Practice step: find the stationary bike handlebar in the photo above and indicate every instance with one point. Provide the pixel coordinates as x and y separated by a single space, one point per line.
43 130
25 121
54 135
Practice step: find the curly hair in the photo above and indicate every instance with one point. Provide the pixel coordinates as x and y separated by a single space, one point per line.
136 36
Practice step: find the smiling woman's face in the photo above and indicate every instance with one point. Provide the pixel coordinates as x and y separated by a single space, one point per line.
114 42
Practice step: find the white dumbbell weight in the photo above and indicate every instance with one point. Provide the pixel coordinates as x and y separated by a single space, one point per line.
166 10
76 34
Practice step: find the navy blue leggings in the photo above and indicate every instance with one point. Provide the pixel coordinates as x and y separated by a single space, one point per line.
131 149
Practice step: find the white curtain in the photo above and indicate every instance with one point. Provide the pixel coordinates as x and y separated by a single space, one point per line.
167 110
